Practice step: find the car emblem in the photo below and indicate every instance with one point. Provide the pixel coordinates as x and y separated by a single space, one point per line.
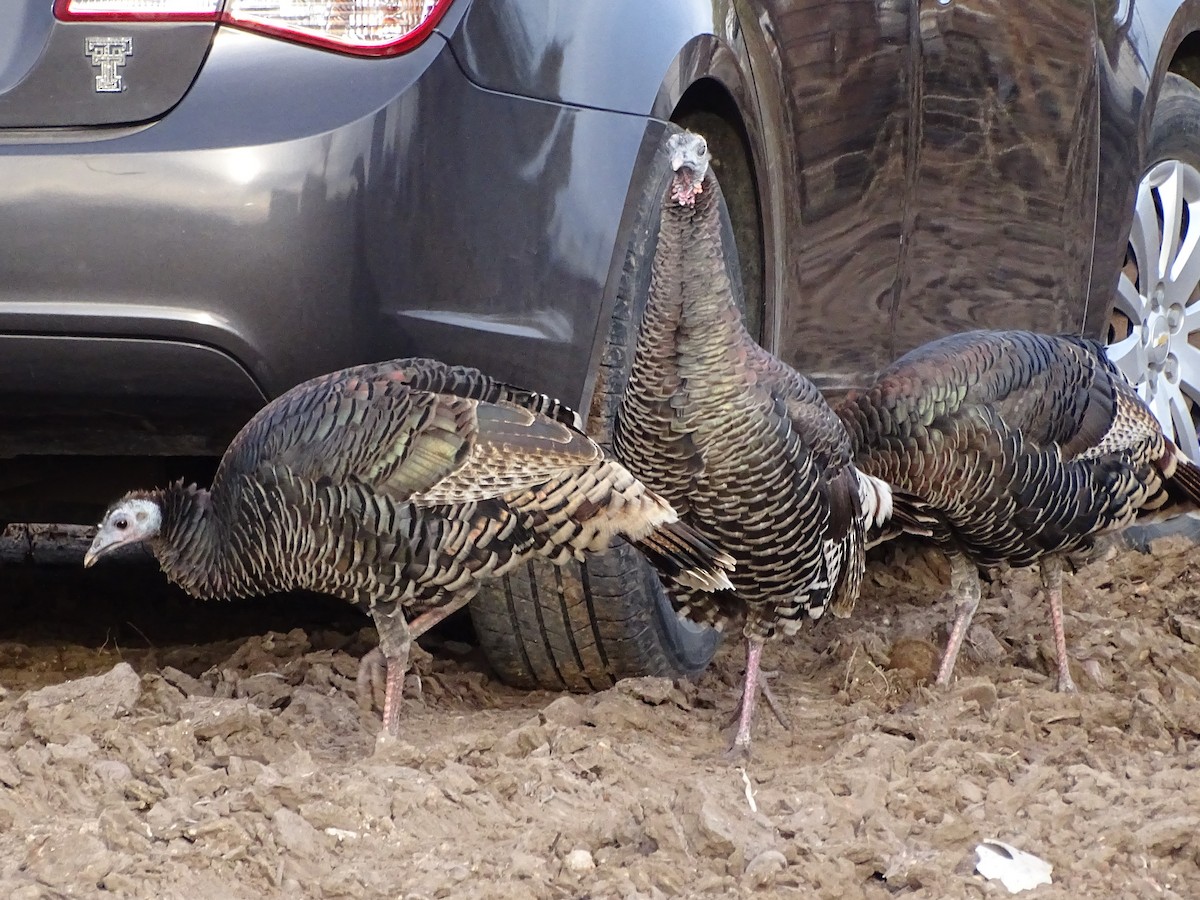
109 55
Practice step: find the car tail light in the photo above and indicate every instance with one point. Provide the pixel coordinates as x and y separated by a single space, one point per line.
362 27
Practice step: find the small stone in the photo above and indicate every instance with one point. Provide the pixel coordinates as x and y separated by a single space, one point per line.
565 711
1186 627
66 859
762 870
579 860
218 718
296 834
985 646
9 775
393 750
112 694
711 829
189 686
1165 836
980 691
170 818
456 781
526 865
119 884
525 740
653 690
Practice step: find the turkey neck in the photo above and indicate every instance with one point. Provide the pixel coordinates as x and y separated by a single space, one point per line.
691 286
188 546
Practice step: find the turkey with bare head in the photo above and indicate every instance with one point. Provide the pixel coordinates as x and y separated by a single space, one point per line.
400 487
742 445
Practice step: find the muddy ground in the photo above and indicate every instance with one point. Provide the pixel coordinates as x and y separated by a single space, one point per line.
151 746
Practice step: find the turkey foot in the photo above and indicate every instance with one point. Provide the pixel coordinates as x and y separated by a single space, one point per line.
395 643
395 635
754 683
764 688
371 682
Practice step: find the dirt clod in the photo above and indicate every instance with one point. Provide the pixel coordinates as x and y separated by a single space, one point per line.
764 868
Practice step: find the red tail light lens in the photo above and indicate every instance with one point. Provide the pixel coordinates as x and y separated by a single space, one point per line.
361 27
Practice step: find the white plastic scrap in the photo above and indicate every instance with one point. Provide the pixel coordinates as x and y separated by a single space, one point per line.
1015 869
749 790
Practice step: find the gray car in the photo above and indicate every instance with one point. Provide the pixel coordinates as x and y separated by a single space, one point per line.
204 202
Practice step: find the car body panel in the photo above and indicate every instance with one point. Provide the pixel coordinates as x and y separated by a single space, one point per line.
512 281
1138 40
397 268
844 79
74 74
219 224
1002 199
545 48
120 396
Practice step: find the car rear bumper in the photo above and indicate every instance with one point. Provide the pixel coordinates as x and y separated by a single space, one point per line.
299 211
119 396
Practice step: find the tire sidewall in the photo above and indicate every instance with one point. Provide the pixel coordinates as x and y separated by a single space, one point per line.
1175 128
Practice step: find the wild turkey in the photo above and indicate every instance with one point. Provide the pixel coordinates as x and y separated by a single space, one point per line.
742 446
1013 448
399 487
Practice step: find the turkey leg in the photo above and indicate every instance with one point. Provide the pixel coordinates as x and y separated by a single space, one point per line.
369 667
1052 583
964 584
754 683
395 642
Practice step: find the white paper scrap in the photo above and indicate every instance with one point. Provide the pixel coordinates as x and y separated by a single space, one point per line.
1015 869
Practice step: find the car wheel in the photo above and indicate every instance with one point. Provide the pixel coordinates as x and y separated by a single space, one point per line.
1154 329
583 627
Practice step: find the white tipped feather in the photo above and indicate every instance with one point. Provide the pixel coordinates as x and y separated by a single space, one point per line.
875 495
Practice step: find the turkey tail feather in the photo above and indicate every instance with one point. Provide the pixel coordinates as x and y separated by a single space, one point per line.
685 556
875 495
1184 483
909 516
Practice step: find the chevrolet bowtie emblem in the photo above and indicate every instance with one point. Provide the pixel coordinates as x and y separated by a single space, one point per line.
109 55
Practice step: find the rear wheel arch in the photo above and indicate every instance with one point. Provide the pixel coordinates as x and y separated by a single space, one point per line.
1185 62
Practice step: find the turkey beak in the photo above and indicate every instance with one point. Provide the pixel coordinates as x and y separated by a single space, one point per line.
100 544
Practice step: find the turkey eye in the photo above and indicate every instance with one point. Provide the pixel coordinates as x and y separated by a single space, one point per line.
703 148
121 524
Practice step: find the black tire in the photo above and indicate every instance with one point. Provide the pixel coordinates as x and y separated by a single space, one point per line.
582 628
1175 129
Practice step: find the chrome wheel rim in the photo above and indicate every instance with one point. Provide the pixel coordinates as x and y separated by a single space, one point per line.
1154 335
